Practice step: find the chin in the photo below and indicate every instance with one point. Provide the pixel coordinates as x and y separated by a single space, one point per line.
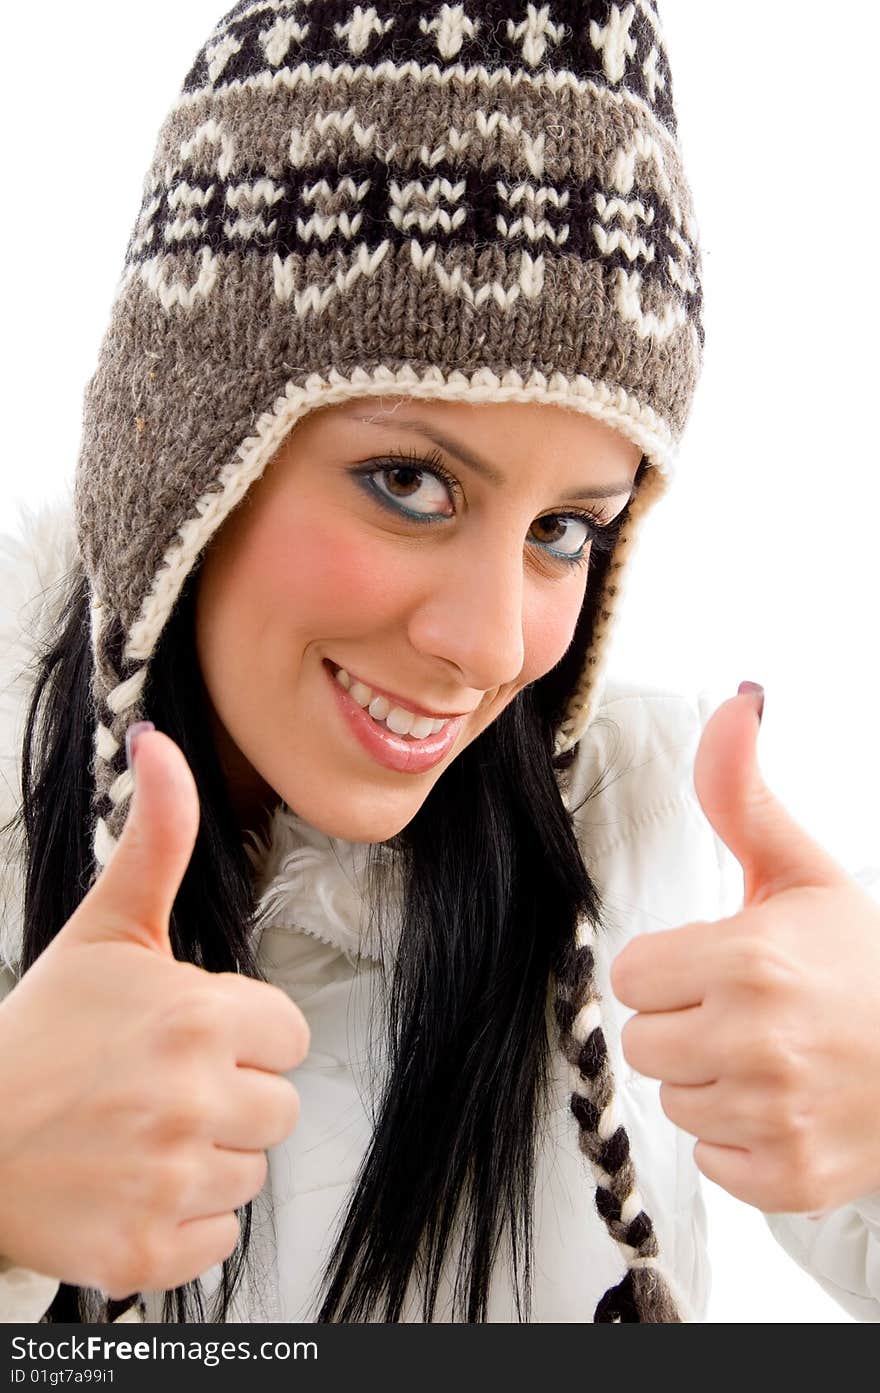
362 819
367 830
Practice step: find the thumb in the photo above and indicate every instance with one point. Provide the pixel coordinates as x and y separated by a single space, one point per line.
133 897
774 851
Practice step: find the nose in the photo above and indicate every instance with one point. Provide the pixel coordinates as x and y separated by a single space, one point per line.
471 617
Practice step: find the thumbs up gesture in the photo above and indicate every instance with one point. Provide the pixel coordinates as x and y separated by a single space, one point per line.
138 1093
765 1027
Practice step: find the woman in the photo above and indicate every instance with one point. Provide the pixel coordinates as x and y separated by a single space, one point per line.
373 246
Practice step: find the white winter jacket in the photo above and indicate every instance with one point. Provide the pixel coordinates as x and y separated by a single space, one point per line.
657 863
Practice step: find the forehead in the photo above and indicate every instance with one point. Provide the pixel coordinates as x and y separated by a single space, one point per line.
539 429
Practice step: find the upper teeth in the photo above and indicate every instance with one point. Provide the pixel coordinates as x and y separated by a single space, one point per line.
396 718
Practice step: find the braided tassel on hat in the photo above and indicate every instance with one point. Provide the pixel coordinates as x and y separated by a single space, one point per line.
644 1293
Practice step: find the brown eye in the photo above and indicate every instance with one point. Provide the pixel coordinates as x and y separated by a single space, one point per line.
556 523
412 485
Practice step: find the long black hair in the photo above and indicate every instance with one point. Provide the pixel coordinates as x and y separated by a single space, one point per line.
493 882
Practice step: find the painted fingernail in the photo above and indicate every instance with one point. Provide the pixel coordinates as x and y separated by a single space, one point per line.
132 735
757 691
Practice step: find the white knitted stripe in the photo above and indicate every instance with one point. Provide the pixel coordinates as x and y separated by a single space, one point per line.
581 1086
103 845
127 693
122 788
631 1207
609 1119
312 300
561 80
223 24
586 1021
105 744
154 272
627 302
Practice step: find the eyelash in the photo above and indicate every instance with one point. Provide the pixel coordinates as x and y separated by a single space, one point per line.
603 534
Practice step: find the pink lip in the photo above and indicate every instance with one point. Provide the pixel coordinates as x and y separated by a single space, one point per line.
393 751
399 700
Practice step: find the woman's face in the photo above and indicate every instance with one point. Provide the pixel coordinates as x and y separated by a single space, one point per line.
351 552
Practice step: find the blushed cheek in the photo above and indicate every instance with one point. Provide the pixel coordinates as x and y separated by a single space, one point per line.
548 629
338 579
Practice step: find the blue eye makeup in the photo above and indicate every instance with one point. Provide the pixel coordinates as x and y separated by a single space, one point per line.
413 468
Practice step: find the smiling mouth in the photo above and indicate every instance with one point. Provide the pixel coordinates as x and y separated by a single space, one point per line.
412 708
410 745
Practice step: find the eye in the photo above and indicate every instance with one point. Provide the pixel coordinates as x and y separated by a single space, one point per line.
412 485
579 534
417 479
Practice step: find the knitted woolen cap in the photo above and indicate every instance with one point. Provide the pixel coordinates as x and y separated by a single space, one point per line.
478 202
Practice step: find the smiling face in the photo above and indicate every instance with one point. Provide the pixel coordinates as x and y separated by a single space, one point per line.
436 552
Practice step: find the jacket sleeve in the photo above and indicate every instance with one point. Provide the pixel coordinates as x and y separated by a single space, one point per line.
841 1248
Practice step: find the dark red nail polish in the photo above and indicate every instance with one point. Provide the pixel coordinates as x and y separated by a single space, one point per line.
757 691
135 730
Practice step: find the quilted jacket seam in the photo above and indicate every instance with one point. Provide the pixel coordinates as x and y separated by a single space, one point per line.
651 814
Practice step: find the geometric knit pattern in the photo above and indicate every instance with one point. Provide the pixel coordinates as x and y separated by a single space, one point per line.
474 202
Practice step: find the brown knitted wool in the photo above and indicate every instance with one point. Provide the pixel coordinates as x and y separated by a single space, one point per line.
471 202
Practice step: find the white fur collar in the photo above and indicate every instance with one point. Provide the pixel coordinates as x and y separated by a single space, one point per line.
310 881
36 554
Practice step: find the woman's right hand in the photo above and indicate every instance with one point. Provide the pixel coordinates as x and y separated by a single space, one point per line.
138 1094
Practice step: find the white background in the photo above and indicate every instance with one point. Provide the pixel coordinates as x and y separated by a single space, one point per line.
762 563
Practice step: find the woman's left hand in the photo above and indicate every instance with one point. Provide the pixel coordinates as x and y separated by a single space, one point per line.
765 1027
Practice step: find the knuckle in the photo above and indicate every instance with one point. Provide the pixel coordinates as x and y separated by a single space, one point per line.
797 1141
754 1110
770 1055
142 1259
184 1112
793 1125
173 1185
784 1073
195 1023
760 966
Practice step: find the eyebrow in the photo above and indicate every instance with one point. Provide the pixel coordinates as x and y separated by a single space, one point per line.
479 466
